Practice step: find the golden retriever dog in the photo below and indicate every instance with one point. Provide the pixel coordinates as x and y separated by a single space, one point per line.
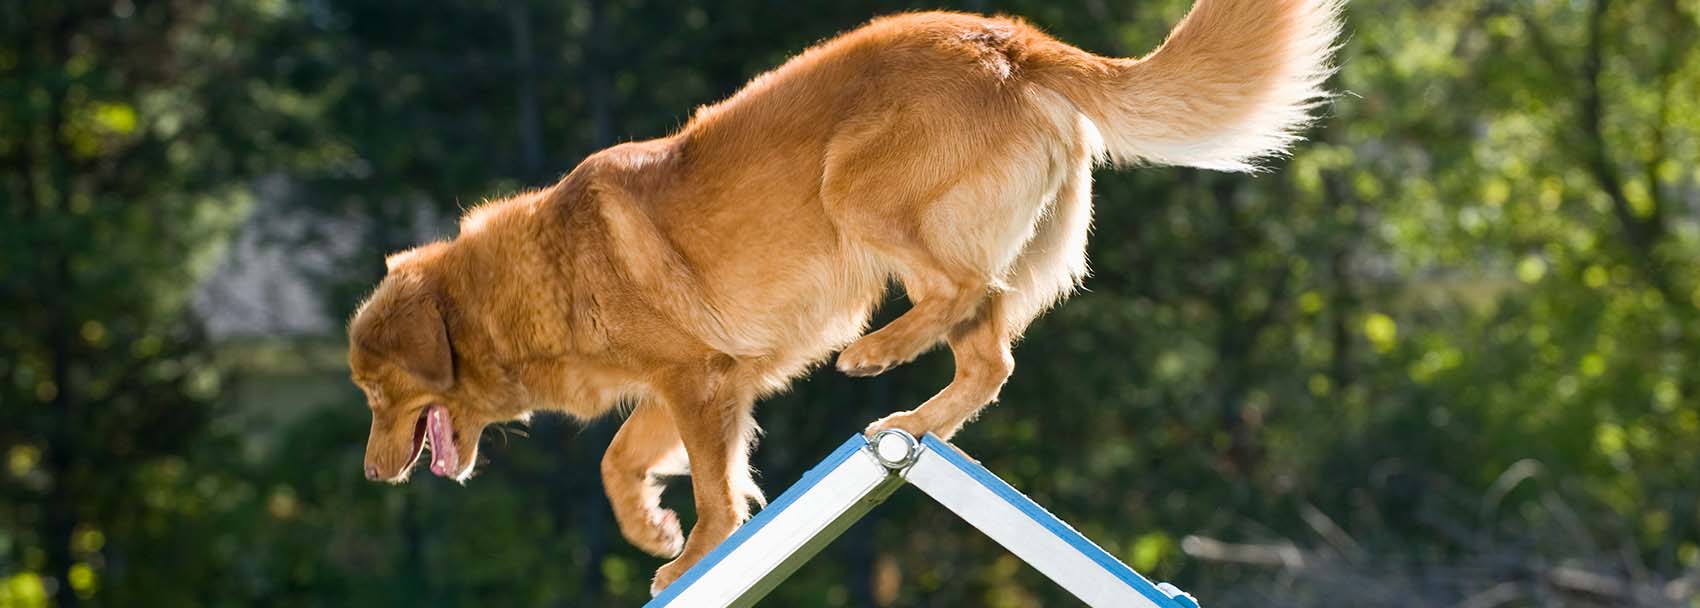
693 274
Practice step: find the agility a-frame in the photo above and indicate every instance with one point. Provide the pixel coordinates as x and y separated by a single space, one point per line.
858 476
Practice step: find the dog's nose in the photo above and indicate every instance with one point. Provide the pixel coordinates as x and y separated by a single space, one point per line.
372 472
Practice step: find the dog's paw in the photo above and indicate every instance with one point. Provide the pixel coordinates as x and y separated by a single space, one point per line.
668 536
866 357
666 575
660 535
909 422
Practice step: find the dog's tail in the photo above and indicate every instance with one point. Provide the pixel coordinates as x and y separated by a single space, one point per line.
1234 83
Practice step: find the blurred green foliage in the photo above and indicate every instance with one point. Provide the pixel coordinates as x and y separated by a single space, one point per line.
1444 355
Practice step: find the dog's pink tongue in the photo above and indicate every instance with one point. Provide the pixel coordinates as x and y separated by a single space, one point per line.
445 455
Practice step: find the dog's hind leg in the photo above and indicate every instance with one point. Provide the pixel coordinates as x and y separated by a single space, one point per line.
1049 266
647 445
980 347
929 215
942 295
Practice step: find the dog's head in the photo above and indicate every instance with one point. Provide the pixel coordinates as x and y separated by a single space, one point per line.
403 355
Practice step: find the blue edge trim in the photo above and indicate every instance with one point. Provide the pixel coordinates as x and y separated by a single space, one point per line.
1057 526
774 508
991 482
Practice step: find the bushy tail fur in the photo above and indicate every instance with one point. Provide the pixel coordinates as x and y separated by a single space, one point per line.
1234 83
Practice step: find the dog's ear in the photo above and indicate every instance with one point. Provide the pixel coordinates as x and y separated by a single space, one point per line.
422 252
414 335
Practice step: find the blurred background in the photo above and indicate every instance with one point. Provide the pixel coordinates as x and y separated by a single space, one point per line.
1445 355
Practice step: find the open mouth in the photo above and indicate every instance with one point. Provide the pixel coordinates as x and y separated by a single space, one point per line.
435 430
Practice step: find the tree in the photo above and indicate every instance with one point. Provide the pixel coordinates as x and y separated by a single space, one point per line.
126 133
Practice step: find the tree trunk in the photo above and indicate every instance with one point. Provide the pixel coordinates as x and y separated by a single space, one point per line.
530 124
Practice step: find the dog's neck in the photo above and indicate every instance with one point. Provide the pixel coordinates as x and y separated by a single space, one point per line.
506 278
532 277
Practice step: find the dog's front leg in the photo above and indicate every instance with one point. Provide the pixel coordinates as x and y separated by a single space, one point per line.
647 445
712 414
